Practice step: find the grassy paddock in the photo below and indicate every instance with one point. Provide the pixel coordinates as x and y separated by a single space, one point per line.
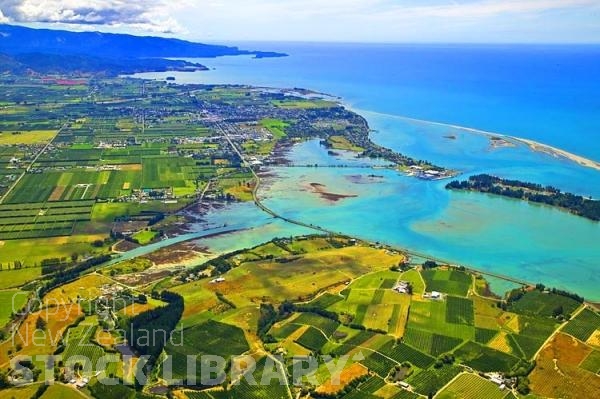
18 277
275 126
538 303
12 301
471 386
33 251
452 282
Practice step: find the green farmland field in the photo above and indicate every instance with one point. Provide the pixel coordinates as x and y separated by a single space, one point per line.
312 339
161 172
485 359
326 325
584 325
326 300
431 343
209 338
533 331
269 383
592 362
430 316
471 386
459 310
18 277
538 303
284 331
430 381
12 301
79 342
452 282
34 188
378 363
35 220
484 335
371 385
404 353
359 338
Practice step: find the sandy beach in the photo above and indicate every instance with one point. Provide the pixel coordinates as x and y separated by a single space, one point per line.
533 145
557 152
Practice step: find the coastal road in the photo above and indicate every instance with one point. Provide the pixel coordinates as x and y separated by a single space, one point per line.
319 229
257 200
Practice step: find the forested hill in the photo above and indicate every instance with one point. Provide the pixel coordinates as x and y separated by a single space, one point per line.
69 64
533 192
48 51
19 40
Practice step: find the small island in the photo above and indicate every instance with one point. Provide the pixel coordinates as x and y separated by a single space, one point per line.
577 204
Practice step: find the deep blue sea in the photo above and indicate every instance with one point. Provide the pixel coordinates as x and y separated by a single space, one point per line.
547 93
550 94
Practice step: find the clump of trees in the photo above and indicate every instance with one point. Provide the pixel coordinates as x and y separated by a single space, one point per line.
429 264
158 322
268 317
577 204
70 274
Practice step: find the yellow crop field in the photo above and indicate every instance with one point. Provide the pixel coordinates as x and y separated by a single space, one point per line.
20 393
40 342
301 277
500 343
557 373
27 137
347 375
87 287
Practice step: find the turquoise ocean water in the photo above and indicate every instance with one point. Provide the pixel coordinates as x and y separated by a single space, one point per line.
550 94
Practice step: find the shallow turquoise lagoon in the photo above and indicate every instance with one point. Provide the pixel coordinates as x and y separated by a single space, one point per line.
546 93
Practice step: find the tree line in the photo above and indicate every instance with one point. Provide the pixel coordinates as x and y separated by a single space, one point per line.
577 204
143 329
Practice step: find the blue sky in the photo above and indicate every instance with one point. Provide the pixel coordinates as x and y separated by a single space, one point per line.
483 21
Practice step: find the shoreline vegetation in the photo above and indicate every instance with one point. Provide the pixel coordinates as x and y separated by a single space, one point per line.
531 192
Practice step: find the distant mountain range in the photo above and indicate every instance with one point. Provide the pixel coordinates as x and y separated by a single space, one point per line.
46 50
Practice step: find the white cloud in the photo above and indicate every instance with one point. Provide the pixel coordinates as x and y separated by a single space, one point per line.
369 8
481 9
390 20
338 20
152 15
3 19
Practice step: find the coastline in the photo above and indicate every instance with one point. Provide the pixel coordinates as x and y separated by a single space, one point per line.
533 145
557 152
364 113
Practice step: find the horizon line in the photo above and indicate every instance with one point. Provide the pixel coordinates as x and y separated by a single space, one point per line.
212 40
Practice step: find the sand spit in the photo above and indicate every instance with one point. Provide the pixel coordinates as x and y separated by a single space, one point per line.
533 145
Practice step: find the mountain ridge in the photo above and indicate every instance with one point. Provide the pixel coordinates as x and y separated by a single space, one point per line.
16 39
45 51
